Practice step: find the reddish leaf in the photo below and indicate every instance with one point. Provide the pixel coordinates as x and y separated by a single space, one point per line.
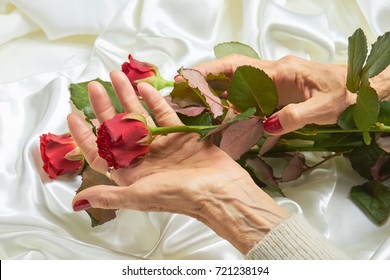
190 111
197 80
262 171
376 169
239 137
184 95
384 143
92 178
294 168
269 143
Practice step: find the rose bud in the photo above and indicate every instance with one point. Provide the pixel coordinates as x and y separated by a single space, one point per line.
123 139
60 155
138 71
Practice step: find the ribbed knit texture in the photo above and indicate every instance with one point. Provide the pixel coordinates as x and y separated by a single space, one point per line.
294 239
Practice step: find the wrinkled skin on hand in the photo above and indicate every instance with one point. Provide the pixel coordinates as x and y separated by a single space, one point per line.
180 174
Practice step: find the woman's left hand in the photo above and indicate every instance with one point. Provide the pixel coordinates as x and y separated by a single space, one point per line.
180 174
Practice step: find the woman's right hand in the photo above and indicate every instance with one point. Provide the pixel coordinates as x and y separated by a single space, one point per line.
309 92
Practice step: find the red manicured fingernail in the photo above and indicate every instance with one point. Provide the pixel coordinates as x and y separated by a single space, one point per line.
81 205
272 125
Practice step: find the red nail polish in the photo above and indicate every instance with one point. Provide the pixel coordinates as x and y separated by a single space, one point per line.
272 125
81 205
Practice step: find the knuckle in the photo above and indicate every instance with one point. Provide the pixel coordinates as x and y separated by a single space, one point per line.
104 201
292 116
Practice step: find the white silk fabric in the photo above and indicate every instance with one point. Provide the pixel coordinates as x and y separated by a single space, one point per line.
46 45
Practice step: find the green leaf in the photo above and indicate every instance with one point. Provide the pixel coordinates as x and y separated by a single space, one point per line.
79 97
252 87
244 115
363 158
184 95
384 112
224 49
92 178
379 57
345 120
337 142
374 199
367 137
366 109
219 83
357 53
203 119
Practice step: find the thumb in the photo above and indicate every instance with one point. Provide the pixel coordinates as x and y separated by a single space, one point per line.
297 115
108 197
102 196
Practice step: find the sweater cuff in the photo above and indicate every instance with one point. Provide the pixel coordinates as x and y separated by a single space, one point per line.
294 239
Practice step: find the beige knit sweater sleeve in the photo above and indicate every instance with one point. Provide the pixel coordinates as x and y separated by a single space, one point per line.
294 239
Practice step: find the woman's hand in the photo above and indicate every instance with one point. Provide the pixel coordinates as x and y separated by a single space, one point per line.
180 174
309 92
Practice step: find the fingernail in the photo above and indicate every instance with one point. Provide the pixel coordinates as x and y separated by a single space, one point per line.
178 75
81 205
272 125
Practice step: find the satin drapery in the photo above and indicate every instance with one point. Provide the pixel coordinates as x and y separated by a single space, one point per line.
47 45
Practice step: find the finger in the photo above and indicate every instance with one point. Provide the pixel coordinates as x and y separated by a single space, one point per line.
136 197
147 194
295 116
100 102
222 65
163 113
86 141
126 94
228 64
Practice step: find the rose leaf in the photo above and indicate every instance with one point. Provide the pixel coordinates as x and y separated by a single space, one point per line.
239 137
379 57
185 96
337 142
357 53
381 166
203 119
226 48
262 171
269 143
384 143
366 108
79 97
374 199
230 118
197 80
345 120
252 87
363 158
294 168
219 83
92 178
191 111
384 112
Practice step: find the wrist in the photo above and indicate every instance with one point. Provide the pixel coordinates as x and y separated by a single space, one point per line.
242 214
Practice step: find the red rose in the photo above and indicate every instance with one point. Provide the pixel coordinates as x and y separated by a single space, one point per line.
136 70
118 140
60 155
